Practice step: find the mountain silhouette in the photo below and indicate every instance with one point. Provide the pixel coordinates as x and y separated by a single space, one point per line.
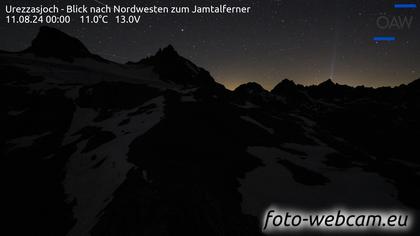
172 67
158 147
250 88
51 42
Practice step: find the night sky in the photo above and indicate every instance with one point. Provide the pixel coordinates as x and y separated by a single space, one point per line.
307 41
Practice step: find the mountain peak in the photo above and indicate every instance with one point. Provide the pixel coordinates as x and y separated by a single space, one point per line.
283 86
168 50
250 88
173 67
415 83
167 53
327 83
51 42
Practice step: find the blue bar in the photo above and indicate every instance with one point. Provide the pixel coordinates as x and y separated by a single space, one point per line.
405 6
384 38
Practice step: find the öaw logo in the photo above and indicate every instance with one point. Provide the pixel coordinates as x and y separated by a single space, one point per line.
394 22
400 22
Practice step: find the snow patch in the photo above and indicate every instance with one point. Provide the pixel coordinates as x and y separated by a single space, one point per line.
91 182
251 120
273 184
248 105
189 98
15 112
26 141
